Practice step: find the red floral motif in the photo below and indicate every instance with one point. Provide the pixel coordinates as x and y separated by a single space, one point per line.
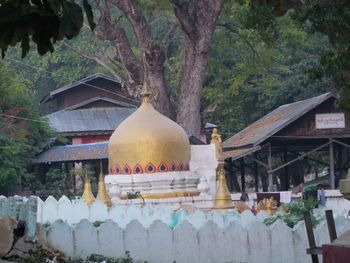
162 167
181 166
117 169
173 167
127 169
138 169
150 168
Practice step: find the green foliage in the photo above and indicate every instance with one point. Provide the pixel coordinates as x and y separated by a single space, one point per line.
45 21
254 69
20 137
98 223
294 212
135 195
100 258
85 171
58 183
41 254
332 18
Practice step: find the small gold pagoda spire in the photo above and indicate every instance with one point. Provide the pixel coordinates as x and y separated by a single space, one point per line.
102 193
145 93
216 139
222 197
88 196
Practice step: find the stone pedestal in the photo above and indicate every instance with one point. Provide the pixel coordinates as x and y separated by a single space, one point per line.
152 186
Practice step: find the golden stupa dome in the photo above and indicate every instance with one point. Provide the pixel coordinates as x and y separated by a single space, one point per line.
148 142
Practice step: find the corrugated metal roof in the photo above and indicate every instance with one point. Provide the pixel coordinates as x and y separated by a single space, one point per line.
77 152
77 83
238 153
273 122
80 152
109 100
98 119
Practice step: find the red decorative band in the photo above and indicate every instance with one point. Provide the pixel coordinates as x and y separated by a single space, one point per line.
150 168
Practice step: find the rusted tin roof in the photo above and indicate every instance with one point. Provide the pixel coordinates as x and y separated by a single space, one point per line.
77 83
238 153
273 122
97 119
77 152
83 152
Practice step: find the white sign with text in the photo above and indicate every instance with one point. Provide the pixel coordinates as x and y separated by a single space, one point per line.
330 121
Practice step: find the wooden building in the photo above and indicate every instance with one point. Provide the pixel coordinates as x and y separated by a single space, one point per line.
89 109
87 113
291 133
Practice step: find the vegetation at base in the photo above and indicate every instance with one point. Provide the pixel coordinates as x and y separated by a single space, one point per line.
125 259
41 254
293 213
98 223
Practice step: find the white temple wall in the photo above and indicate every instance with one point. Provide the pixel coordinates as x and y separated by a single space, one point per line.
203 162
233 242
159 234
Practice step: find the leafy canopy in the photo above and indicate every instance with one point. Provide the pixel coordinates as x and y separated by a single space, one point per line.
45 21
20 138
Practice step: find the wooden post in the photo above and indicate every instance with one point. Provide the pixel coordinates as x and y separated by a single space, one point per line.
331 226
331 164
233 174
286 175
269 169
256 177
310 236
242 174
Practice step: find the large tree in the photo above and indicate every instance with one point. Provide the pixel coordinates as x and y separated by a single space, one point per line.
196 19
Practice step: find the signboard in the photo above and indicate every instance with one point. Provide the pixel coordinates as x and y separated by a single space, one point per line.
330 121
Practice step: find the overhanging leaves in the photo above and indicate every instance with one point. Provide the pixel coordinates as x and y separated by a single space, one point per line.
45 21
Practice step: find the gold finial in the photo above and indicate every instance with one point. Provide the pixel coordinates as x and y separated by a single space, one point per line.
216 139
102 193
145 93
88 196
222 197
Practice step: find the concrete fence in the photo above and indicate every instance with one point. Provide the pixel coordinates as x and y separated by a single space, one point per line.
235 242
21 208
159 234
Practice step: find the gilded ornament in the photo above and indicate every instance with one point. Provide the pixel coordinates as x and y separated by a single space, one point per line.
88 196
102 193
222 197
216 139
269 205
146 140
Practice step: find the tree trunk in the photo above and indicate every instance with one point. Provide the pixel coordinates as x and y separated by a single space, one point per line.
197 20
153 54
189 103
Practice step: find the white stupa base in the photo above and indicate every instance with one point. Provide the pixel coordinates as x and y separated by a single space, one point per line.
172 188
204 202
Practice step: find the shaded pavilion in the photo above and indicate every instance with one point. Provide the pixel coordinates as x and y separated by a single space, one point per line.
293 131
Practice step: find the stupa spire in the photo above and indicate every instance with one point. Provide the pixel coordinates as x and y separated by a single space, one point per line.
102 193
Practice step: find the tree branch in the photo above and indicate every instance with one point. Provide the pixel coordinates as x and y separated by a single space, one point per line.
96 59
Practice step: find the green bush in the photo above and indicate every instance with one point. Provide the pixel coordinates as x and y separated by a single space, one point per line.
292 213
